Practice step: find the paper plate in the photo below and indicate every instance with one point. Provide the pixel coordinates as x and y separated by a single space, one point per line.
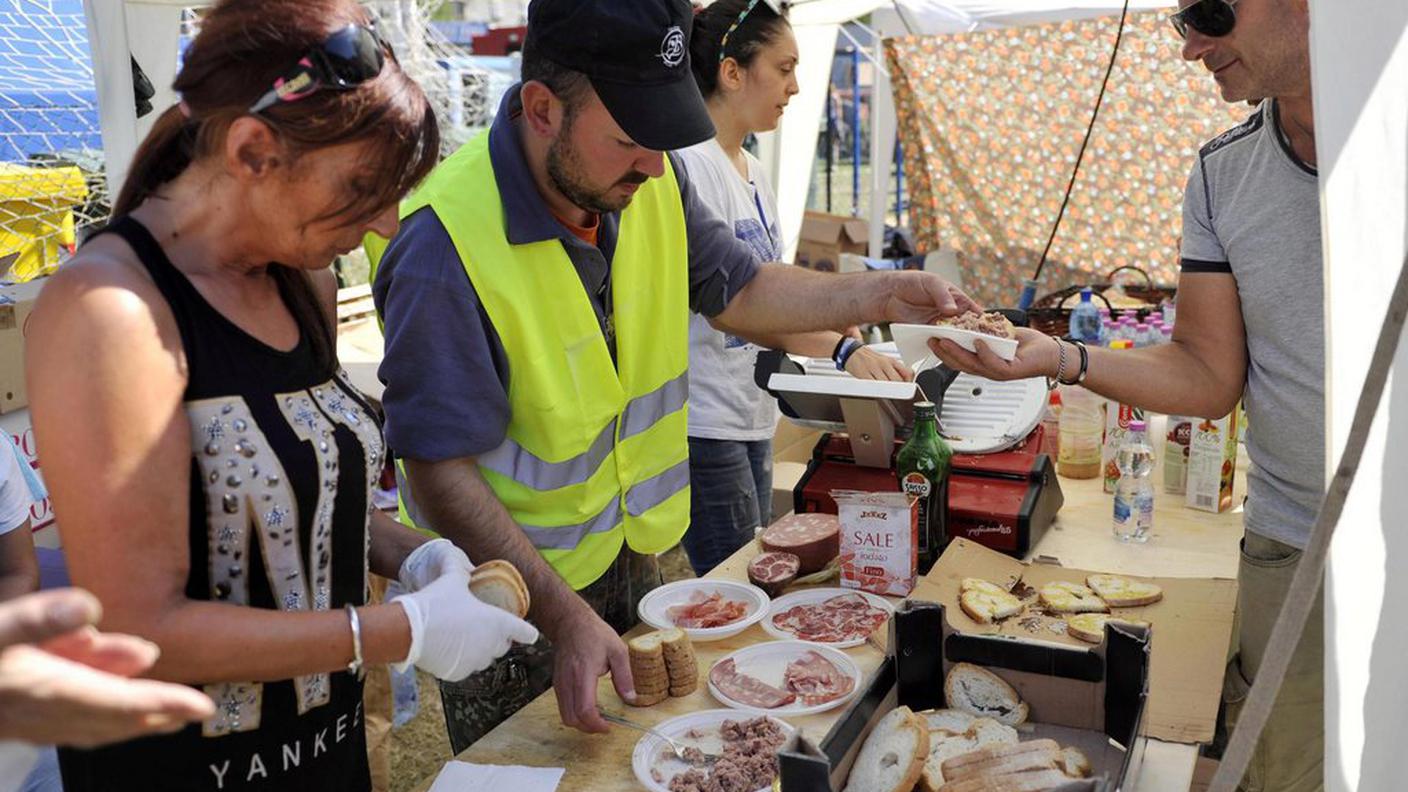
648 750
768 662
913 342
654 607
812 596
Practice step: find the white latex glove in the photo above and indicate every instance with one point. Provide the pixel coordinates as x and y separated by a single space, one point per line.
453 633
430 561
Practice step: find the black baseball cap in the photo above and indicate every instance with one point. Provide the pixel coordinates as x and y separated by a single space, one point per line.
636 55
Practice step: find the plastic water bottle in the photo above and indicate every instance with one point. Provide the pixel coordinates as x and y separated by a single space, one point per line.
1134 494
1107 331
1085 319
1141 335
1167 334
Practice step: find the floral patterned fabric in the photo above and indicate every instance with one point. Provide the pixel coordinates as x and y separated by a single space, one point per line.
992 121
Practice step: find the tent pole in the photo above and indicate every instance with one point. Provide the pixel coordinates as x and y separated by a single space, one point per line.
830 139
855 131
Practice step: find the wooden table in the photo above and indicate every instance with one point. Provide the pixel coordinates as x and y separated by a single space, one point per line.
1185 543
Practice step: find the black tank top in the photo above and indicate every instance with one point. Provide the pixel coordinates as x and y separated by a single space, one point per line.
284 452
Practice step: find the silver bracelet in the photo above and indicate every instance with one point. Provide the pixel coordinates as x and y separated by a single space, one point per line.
1060 366
355 667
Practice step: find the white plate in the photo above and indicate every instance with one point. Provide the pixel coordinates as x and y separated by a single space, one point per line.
913 341
768 663
654 607
650 747
813 596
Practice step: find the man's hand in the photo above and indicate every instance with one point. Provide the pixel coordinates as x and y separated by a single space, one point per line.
866 363
923 297
1037 356
72 688
583 650
47 699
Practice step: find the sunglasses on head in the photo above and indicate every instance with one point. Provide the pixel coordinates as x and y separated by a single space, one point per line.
1213 18
345 60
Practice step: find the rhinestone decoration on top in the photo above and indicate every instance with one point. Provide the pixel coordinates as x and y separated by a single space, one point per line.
235 506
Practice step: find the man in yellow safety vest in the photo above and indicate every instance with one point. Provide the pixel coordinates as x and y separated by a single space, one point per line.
536 308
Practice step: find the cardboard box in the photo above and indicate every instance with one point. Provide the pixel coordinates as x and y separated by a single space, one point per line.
825 237
1192 628
16 302
1089 697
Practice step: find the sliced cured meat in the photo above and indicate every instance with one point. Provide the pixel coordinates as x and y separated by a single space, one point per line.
746 690
772 572
707 610
814 538
845 617
817 680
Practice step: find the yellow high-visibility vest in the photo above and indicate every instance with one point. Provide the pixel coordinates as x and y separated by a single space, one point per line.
596 454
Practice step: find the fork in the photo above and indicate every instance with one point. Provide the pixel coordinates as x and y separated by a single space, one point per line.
676 747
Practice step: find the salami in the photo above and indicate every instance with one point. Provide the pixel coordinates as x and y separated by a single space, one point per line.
746 690
773 572
846 617
814 538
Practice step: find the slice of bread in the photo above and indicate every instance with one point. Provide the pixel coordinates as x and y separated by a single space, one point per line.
1065 597
945 745
1122 592
986 607
498 583
1003 760
1030 781
981 692
1091 626
892 757
1073 762
978 584
952 721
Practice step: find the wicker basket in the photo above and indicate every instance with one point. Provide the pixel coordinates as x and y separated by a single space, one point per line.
1047 315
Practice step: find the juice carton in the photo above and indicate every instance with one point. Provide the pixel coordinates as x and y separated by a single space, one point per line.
879 541
1176 444
1212 463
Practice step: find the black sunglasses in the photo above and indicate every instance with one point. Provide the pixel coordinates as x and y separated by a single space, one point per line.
345 60
1213 18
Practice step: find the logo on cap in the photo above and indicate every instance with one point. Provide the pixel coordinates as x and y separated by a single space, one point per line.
672 47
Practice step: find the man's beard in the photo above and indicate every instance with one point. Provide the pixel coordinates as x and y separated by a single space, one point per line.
564 168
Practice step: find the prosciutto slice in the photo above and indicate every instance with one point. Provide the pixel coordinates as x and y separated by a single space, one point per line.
846 617
817 680
707 610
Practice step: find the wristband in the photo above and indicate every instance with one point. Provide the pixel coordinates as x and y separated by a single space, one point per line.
847 347
1084 361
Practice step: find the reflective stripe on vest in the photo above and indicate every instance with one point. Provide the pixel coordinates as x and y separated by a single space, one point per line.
521 465
595 454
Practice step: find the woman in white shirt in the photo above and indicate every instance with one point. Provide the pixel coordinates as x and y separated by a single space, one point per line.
744 59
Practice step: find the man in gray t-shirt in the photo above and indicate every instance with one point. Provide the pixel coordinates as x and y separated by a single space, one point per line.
1250 326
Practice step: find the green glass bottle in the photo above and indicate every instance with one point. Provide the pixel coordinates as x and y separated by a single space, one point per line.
923 466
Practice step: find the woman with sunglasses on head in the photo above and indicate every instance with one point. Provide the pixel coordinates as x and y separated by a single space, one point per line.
211 464
744 59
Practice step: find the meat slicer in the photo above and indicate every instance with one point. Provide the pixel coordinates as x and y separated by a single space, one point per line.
1003 490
